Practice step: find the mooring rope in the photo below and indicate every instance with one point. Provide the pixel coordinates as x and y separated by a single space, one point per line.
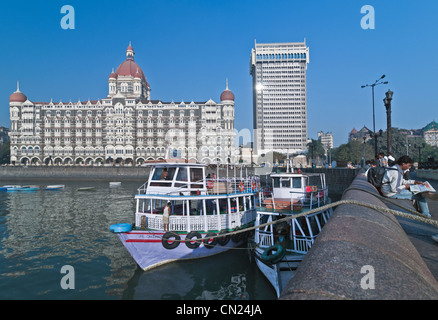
416 216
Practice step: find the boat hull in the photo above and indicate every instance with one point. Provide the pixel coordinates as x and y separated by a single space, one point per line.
54 187
148 251
270 272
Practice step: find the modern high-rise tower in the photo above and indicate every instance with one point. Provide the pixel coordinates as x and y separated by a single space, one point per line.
279 96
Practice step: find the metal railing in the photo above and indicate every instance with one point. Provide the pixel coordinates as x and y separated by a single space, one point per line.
211 185
304 200
197 222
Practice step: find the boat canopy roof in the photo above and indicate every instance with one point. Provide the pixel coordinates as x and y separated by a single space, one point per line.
173 162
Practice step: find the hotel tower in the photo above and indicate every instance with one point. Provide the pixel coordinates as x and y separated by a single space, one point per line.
279 96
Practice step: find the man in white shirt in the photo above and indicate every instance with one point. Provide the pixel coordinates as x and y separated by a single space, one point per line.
394 186
166 214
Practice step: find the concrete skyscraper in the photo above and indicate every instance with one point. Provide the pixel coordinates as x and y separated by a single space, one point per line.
279 96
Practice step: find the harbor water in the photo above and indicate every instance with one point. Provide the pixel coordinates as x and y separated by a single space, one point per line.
43 231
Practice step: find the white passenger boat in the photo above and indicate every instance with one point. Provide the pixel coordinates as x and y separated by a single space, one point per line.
280 247
202 208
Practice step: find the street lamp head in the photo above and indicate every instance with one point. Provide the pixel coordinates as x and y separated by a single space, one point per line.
386 82
383 76
363 86
389 94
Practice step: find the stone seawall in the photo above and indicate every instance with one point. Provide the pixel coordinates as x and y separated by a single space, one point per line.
362 254
74 173
337 179
427 174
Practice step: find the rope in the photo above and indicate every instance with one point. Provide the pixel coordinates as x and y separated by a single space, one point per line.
415 217
392 201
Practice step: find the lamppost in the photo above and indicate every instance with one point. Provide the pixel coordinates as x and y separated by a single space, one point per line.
376 83
387 102
420 146
364 156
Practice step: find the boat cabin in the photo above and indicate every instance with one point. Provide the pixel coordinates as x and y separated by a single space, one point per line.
295 185
177 178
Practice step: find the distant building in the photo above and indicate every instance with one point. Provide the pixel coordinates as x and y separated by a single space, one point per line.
4 135
126 127
326 140
362 133
279 97
430 133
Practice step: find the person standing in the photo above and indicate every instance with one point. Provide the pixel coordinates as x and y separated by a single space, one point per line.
382 159
396 187
166 214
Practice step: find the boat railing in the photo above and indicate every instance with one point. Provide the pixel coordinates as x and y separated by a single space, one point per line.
265 236
298 200
201 222
212 186
303 231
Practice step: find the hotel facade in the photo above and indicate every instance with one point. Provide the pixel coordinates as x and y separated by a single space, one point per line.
279 97
127 127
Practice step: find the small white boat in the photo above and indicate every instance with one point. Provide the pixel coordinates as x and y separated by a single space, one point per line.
280 247
87 189
115 184
201 210
54 187
29 188
12 187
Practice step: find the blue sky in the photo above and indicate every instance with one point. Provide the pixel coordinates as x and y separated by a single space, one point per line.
188 48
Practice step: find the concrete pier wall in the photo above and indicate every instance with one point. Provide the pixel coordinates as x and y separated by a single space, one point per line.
362 254
337 179
428 174
73 173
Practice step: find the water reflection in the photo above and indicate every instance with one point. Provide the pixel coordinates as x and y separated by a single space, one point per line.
227 276
42 231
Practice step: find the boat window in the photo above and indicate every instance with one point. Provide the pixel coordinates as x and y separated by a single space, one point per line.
182 174
157 173
170 174
223 206
233 203
210 206
276 182
285 183
196 174
164 174
296 183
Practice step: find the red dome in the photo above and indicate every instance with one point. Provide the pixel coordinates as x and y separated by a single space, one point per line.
227 95
113 75
17 96
129 68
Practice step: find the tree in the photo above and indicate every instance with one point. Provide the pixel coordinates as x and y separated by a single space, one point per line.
353 151
5 151
316 150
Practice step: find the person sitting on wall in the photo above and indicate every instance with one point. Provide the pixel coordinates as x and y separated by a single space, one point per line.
396 187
